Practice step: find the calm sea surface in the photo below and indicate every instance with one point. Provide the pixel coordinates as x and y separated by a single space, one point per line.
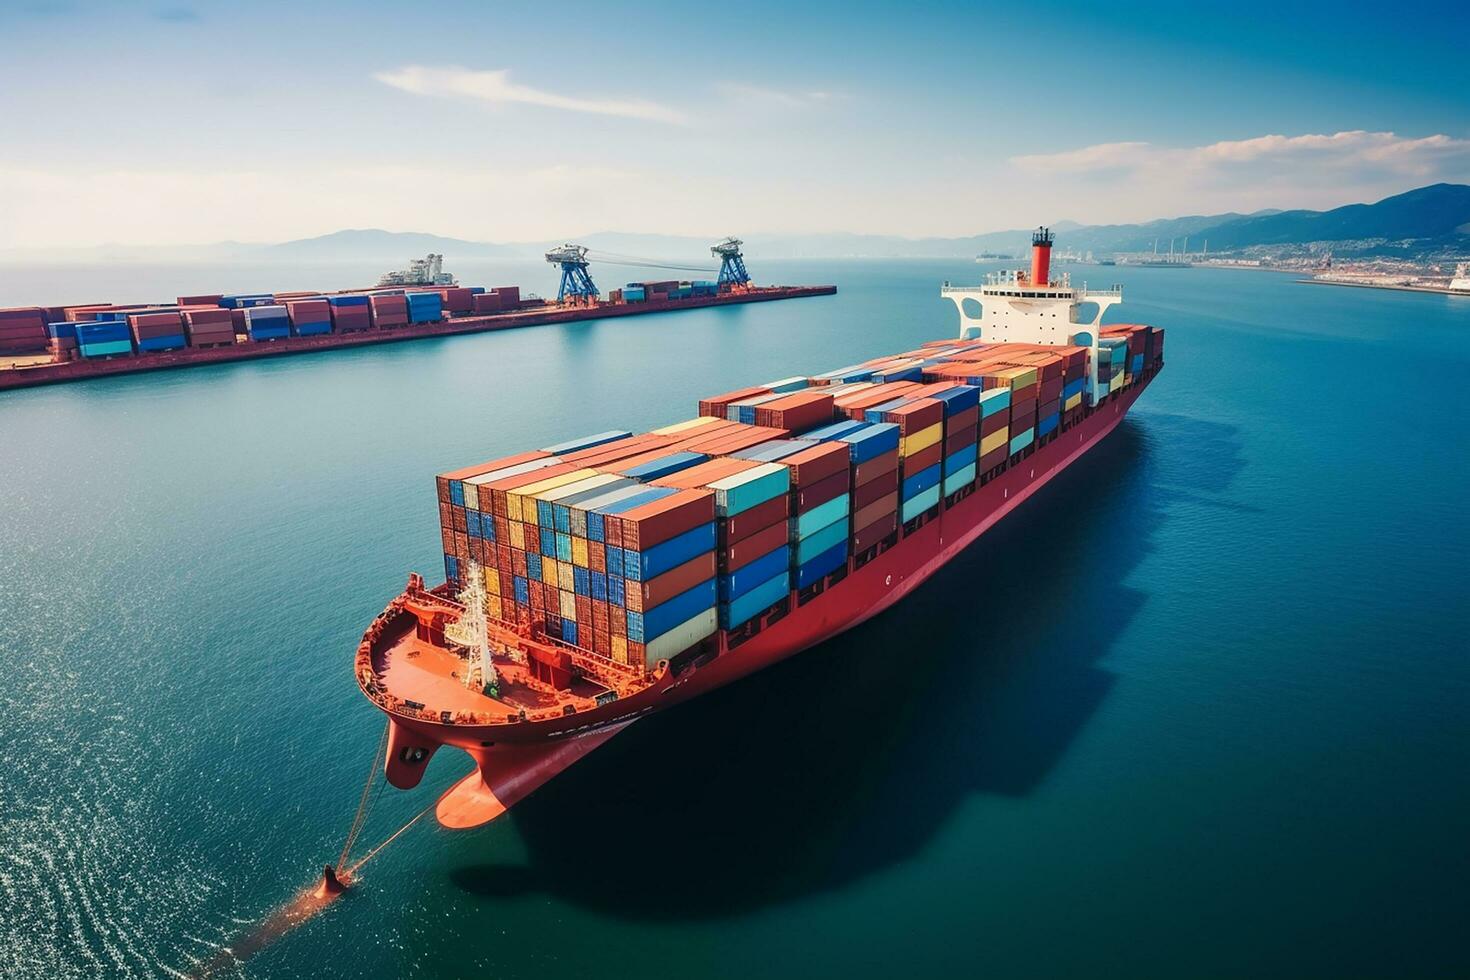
1201 708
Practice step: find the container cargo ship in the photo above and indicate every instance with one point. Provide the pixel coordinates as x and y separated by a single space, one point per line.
590 583
49 345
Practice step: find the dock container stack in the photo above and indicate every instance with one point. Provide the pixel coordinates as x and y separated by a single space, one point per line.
23 330
266 323
388 311
208 326
157 331
457 299
350 313
309 317
424 307
104 338
61 341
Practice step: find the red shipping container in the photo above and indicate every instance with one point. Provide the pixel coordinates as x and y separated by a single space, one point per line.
820 492
754 519
878 509
800 410
716 405
703 474
655 522
510 296
1051 388
993 459
923 459
916 416
457 299
210 300
237 320
962 420
487 303
956 441
808 466
874 532
308 311
748 549
875 467
875 489
994 423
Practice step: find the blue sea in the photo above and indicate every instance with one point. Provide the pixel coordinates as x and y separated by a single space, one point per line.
1199 709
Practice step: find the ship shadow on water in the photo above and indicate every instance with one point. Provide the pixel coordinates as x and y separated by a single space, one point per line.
852 756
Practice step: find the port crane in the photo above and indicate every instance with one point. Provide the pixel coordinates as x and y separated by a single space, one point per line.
576 283
732 263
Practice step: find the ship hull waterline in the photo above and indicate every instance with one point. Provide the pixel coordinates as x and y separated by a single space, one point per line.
513 760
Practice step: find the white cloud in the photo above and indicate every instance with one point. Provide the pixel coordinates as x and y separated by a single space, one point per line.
774 97
496 87
1132 181
1356 150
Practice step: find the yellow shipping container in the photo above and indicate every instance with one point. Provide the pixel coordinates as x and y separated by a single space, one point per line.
564 576
568 606
1073 402
620 648
518 535
492 581
579 552
1116 384
528 511
995 440
1017 377
921 440
548 571
669 430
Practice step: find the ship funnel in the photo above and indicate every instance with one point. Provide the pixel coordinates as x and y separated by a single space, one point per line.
1041 256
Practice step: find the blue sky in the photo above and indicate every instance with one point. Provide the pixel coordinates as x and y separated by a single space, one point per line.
161 123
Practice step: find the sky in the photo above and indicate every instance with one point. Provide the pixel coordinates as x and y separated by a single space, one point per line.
176 122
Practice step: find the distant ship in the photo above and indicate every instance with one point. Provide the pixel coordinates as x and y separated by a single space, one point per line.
993 257
427 271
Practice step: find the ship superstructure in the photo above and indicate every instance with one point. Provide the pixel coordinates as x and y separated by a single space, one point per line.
427 271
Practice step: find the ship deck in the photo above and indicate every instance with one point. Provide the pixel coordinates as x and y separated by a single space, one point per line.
427 680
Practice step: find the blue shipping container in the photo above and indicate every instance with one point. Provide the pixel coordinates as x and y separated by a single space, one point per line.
754 602
821 566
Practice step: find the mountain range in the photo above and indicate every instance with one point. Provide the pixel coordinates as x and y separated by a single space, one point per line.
1428 220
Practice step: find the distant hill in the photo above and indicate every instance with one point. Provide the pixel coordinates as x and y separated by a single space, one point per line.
374 243
1429 219
1435 214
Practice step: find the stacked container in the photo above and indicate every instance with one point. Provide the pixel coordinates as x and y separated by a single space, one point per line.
309 317
157 331
424 307
487 303
457 299
266 323
23 330
873 467
634 293
62 340
104 338
208 299
995 432
388 311
209 326
245 301
350 313
753 557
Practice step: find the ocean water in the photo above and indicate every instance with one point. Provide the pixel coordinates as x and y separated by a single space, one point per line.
1200 708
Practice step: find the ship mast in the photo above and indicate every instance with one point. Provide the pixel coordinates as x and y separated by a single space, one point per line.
473 632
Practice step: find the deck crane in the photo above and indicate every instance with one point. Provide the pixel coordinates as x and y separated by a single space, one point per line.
732 263
576 284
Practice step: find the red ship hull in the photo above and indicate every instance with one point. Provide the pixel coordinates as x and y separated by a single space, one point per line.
515 759
56 373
